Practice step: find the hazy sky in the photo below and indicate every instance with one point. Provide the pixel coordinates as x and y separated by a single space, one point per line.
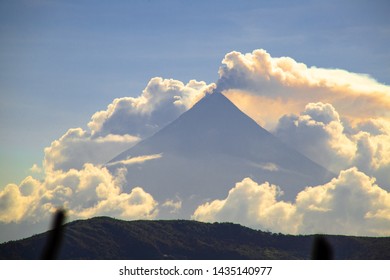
81 81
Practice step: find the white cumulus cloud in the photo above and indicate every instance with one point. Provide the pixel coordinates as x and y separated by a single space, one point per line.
161 102
88 192
253 205
320 134
77 147
351 204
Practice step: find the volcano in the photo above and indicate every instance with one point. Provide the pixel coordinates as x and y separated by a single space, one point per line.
205 151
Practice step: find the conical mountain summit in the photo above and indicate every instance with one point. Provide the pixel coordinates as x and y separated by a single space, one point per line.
205 151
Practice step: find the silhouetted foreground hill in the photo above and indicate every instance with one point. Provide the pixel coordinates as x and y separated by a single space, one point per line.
108 238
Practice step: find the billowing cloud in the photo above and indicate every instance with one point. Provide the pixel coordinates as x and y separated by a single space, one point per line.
161 102
373 142
87 192
253 205
320 134
266 88
17 202
77 147
351 204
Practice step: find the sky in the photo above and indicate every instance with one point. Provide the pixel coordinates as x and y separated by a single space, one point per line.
70 64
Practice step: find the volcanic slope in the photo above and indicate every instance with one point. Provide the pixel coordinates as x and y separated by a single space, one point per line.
205 151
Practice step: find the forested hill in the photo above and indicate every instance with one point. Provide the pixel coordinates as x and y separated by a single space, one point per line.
108 238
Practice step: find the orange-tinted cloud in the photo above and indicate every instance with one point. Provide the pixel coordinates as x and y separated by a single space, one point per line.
90 191
286 86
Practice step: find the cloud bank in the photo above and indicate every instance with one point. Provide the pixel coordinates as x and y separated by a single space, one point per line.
91 191
351 204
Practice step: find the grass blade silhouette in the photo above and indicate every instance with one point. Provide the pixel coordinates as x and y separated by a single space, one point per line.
53 244
322 250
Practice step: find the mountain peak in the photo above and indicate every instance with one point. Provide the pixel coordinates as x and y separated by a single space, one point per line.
217 104
213 125
215 99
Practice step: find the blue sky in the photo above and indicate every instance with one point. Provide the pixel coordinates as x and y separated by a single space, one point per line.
61 61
